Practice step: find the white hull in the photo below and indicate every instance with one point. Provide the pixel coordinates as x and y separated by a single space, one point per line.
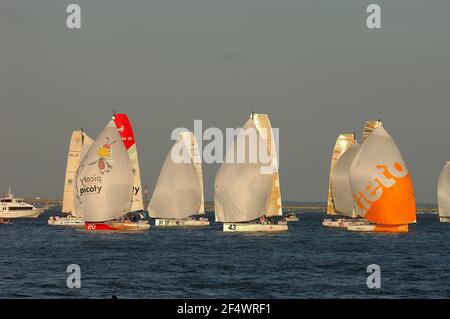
34 213
343 223
444 219
379 228
254 227
161 222
66 221
361 228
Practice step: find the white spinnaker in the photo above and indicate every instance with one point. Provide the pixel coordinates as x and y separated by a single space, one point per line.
242 191
178 192
444 191
340 182
104 183
73 160
87 142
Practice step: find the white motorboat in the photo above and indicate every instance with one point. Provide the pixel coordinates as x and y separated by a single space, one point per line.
14 207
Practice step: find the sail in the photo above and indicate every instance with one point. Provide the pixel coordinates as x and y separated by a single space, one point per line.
381 184
343 142
264 127
444 191
194 152
126 132
178 192
242 192
104 179
73 160
340 183
87 142
369 127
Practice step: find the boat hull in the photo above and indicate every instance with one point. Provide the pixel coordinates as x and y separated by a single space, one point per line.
117 226
66 221
379 228
342 223
34 213
161 222
291 219
444 219
254 227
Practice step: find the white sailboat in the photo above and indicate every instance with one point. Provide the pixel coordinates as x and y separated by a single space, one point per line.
444 194
381 186
78 146
104 184
247 195
178 197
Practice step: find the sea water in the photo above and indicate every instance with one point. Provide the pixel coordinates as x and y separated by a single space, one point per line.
308 261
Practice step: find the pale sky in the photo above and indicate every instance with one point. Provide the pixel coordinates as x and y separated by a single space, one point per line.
312 65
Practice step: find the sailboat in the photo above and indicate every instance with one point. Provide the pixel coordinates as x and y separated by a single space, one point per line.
342 193
247 193
104 184
381 186
123 124
444 194
178 196
79 144
343 143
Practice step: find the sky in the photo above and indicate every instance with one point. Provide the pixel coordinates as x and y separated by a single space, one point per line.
312 65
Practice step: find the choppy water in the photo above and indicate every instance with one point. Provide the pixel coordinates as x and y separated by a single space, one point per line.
309 261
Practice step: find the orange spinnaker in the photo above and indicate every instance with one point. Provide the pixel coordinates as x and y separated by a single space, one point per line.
397 205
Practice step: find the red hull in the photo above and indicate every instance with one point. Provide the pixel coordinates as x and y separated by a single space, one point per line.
98 226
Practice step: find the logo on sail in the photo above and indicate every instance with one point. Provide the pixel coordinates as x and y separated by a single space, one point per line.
104 157
386 176
91 185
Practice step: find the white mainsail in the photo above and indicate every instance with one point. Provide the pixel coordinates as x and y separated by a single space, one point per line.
179 190
78 143
340 182
343 143
444 191
194 152
87 142
242 190
369 127
73 160
104 181
264 127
